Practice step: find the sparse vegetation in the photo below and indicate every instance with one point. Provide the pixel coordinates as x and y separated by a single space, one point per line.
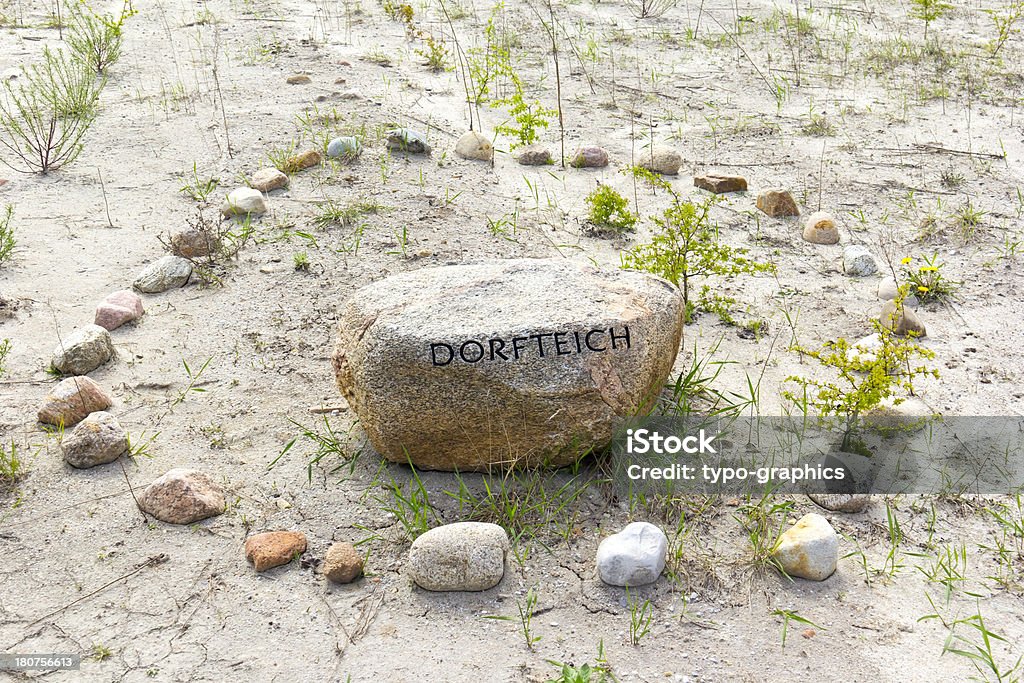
7 241
609 210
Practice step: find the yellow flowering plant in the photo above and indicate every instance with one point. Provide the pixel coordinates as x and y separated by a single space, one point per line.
926 281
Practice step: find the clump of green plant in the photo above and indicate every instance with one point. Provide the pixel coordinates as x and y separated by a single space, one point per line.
926 282
527 118
300 261
526 612
435 53
688 244
967 220
197 188
609 210
928 11
95 40
5 348
865 377
1005 23
819 126
981 653
12 467
601 672
764 521
7 241
640 616
335 213
45 116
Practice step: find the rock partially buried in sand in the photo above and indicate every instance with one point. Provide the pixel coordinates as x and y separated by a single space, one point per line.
345 147
590 156
841 502
268 180
407 140
274 548
720 184
858 261
809 549
119 308
96 440
900 320
473 145
302 161
633 557
465 556
244 201
343 563
299 79
514 362
820 228
83 351
166 273
194 243
71 401
534 155
777 203
182 496
661 159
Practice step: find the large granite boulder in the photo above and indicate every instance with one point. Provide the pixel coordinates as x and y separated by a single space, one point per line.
519 362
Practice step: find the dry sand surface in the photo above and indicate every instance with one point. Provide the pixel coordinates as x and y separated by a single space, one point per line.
915 147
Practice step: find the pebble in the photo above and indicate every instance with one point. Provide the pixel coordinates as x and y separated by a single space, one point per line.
590 156
299 79
274 548
820 228
465 556
83 351
865 350
346 147
888 289
777 203
475 146
268 180
182 496
910 415
633 557
901 320
407 140
193 243
71 401
300 162
343 563
96 440
809 549
858 261
661 159
244 201
841 502
720 184
534 155
166 273
117 309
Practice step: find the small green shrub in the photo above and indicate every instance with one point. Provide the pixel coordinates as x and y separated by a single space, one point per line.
95 40
6 234
610 210
435 53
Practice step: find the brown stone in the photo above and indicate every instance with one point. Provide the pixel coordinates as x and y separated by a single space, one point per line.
343 563
777 203
300 162
3 182
268 179
72 400
274 548
299 79
900 320
820 228
182 496
194 243
720 184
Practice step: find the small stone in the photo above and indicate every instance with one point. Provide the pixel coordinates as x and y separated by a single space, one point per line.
820 228
858 261
534 155
351 95
71 401
809 549
300 162
83 351
3 181
346 147
908 414
633 557
900 320
407 140
268 180
465 556
299 79
866 349
168 272
841 502
720 184
182 496
117 309
193 243
590 156
777 203
244 201
274 548
661 159
96 440
473 145
343 564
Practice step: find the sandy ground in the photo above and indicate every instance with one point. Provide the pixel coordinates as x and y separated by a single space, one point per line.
204 615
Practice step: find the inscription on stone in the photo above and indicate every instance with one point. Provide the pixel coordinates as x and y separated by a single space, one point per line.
539 345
